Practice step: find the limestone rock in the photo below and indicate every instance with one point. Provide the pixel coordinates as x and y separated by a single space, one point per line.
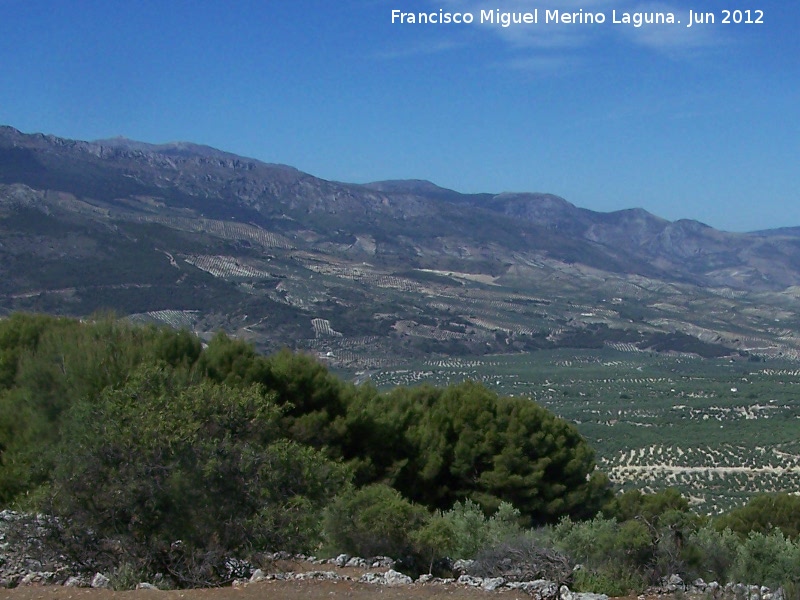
470 581
372 578
392 577
258 575
341 560
490 584
356 562
146 586
100 581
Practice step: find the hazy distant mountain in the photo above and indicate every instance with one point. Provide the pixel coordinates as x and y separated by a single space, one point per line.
195 236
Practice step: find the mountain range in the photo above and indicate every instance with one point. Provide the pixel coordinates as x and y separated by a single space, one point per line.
369 274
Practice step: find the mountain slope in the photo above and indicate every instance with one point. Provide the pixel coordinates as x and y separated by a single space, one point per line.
366 273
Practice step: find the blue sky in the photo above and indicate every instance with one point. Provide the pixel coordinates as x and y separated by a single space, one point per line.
700 122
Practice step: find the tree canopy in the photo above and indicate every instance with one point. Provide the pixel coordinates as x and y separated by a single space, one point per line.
143 432
149 448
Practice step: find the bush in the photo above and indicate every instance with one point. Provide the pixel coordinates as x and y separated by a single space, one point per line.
126 577
764 513
767 559
47 364
435 446
615 557
523 559
435 539
671 552
601 543
619 557
712 553
473 531
633 504
463 531
373 521
611 580
182 474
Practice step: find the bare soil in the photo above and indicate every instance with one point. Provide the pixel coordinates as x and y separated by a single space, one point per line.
271 590
282 590
274 589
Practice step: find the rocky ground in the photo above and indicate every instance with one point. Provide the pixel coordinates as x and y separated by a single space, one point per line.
288 577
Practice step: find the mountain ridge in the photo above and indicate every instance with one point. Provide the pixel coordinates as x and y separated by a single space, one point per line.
418 267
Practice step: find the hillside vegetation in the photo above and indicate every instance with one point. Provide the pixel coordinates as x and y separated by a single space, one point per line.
139 433
150 453
721 431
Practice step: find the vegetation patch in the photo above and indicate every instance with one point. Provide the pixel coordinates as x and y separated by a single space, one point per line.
149 455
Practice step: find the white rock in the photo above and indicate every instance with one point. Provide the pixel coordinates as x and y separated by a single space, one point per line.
100 581
74 582
700 584
383 562
542 589
470 581
392 577
588 596
462 566
492 583
341 560
146 586
567 594
372 578
321 575
258 575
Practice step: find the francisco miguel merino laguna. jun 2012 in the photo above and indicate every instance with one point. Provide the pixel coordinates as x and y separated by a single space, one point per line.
555 16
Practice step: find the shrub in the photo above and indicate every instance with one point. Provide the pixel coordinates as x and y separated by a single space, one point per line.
614 556
767 559
711 553
764 513
126 577
47 364
473 531
647 507
435 539
603 542
671 551
523 559
181 474
373 521
611 580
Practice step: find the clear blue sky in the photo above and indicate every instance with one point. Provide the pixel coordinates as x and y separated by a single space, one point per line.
699 122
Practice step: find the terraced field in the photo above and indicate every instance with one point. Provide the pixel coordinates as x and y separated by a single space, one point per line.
719 430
